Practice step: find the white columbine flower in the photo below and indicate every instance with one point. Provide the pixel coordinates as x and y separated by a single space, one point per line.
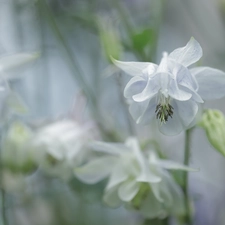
130 174
170 91
60 147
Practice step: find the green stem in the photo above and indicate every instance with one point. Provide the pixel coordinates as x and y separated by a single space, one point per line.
3 207
188 217
2 195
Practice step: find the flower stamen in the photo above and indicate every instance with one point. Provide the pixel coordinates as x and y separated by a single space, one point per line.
164 111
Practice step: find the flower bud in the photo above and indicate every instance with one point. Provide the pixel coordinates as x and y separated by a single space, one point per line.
17 152
213 121
109 39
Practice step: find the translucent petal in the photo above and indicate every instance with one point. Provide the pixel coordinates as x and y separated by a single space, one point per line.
134 86
118 175
137 109
184 77
96 170
188 54
150 90
187 111
167 164
128 190
133 68
109 148
14 61
177 93
111 197
174 125
149 113
151 207
211 82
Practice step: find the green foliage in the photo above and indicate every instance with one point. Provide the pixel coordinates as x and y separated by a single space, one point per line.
143 38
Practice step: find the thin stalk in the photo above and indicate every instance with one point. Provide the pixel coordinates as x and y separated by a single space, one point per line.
3 207
188 217
75 67
2 195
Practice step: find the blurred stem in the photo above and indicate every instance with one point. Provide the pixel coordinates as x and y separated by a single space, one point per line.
188 217
3 195
76 69
156 221
3 207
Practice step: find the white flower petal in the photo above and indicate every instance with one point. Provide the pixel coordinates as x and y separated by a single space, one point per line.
187 111
151 207
111 197
128 190
211 82
150 90
156 191
96 170
137 109
118 175
133 68
184 77
109 148
146 175
134 86
149 113
167 164
174 125
13 61
188 54
177 93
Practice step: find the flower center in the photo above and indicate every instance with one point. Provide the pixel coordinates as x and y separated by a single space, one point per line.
164 110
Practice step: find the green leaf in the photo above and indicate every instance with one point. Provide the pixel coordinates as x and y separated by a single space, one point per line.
141 39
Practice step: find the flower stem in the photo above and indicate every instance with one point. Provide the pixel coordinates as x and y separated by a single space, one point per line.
188 217
3 208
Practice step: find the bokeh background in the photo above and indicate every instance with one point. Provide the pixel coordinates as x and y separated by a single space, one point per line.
75 39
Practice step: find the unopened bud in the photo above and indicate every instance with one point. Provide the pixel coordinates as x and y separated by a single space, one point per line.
213 121
17 152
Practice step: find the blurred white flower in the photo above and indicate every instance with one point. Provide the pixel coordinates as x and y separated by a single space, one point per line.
170 89
129 171
61 146
17 154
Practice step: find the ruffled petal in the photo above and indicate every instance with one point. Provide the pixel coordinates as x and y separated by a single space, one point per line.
134 86
133 68
96 170
150 90
177 93
128 190
184 77
188 54
118 175
211 82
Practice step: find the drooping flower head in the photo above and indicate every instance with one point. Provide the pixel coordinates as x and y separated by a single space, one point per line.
137 179
171 92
